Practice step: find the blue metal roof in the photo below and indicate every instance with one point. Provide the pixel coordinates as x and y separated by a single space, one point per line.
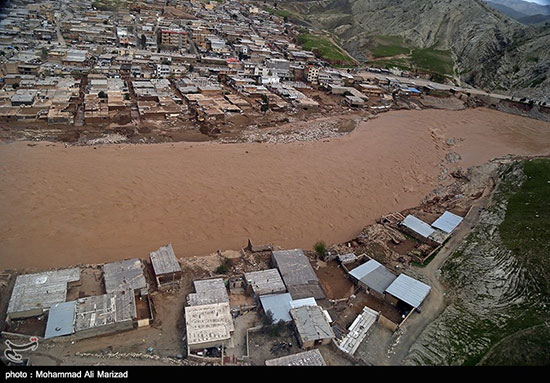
60 319
447 222
278 304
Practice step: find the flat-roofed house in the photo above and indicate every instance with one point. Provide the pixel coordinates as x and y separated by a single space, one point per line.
264 282
208 325
34 294
311 326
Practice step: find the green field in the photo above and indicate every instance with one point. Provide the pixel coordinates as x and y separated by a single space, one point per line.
526 227
389 46
323 47
433 60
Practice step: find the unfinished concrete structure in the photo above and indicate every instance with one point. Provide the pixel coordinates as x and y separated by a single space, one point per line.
33 294
311 326
264 282
358 330
208 325
124 275
306 358
166 267
208 291
298 275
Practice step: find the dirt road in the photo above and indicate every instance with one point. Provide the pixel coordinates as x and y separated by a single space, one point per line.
62 206
435 303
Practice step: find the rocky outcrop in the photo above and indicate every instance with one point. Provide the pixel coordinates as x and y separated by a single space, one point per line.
490 50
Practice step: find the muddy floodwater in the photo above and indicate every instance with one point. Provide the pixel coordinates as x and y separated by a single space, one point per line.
62 206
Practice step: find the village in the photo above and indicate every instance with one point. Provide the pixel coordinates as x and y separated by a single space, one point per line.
93 72
106 72
261 305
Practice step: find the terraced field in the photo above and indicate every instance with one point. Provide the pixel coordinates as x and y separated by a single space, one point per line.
499 300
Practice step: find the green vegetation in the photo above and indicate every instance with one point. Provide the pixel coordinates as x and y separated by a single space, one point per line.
501 281
433 60
536 82
526 227
437 62
324 48
270 327
320 248
389 46
224 266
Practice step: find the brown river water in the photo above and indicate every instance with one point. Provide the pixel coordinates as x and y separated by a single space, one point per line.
62 206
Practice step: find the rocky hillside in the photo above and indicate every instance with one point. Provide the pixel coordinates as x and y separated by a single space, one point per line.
488 49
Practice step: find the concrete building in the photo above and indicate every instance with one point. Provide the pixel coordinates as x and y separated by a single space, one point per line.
264 282
34 294
298 275
208 325
358 330
104 314
311 326
166 267
208 291
306 358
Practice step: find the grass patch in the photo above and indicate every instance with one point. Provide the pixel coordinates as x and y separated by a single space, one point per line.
388 46
526 227
324 48
433 60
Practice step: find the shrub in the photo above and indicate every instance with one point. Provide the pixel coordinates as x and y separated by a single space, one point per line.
320 248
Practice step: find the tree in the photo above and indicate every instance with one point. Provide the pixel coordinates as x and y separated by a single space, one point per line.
143 40
102 94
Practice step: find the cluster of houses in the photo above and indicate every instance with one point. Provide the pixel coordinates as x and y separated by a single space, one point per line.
216 60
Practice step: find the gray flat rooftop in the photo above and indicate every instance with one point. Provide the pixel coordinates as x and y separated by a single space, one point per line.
307 358
41 290
164 260
124 275
374 275
311 323
265 282
103 310
208 291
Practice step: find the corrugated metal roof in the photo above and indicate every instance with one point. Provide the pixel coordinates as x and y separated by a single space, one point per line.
379 279
307 358
278 304
418 226
164 260
409 290
60 319
447 222
360 271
